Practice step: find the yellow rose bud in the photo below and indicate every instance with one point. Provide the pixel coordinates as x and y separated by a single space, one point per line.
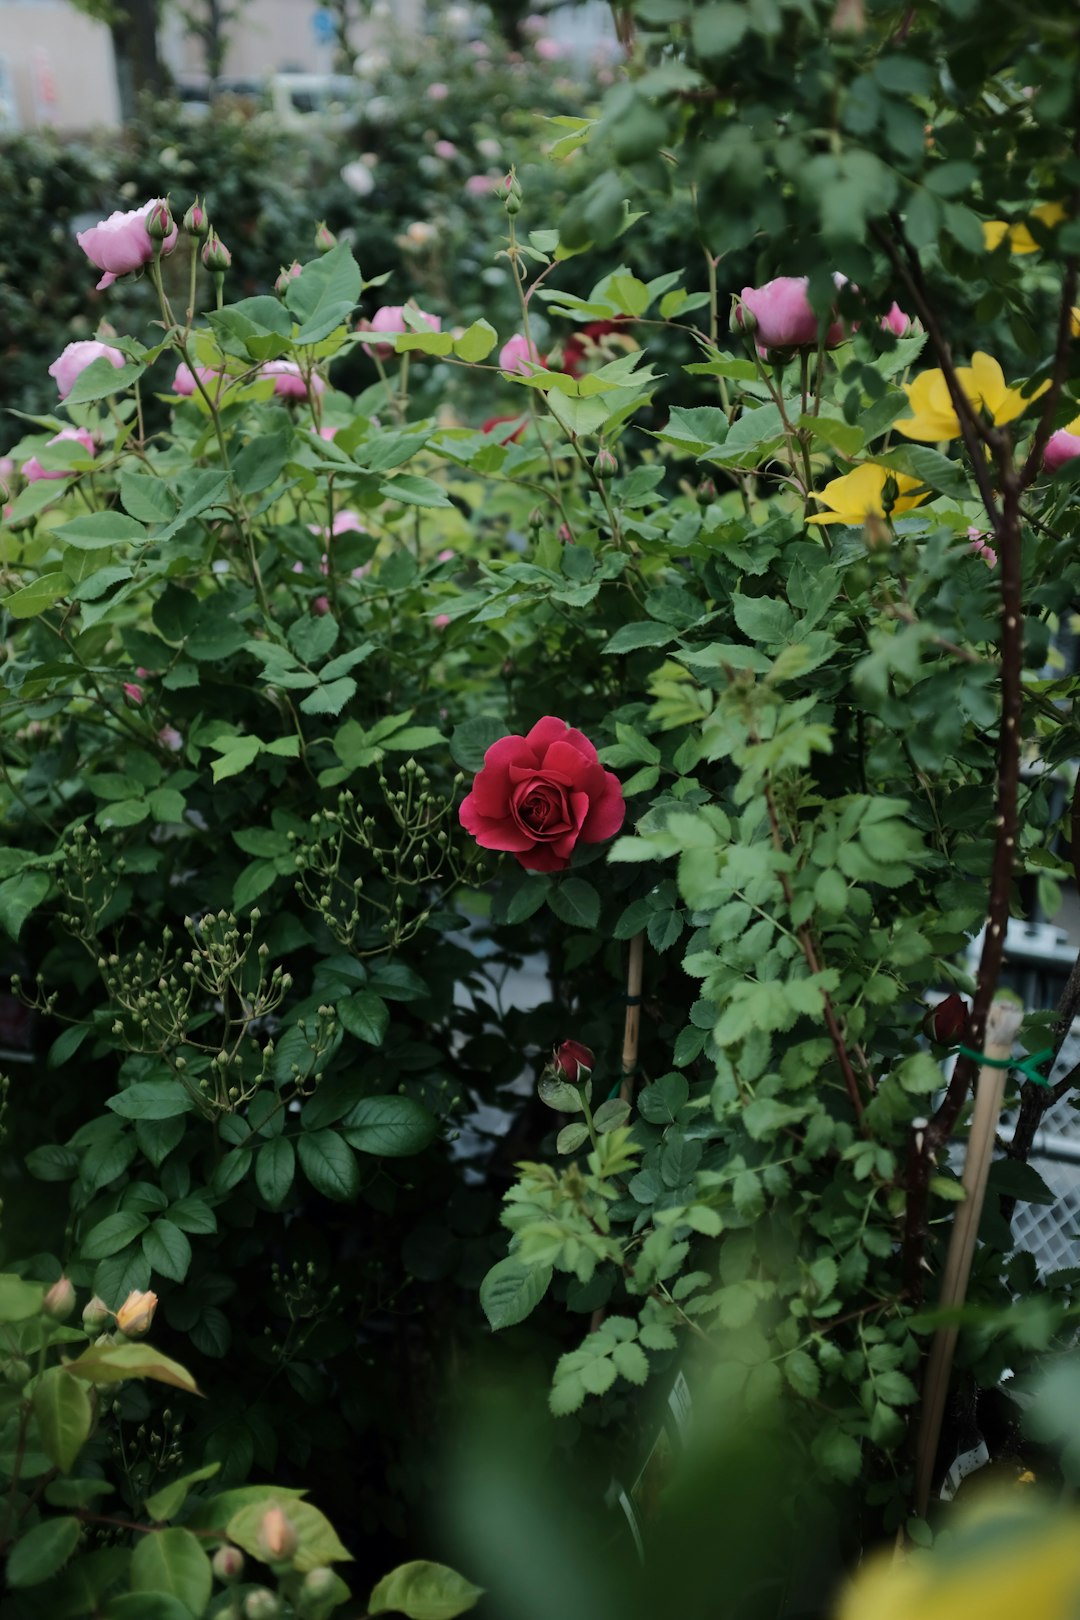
59 1301
136 1314
277 1537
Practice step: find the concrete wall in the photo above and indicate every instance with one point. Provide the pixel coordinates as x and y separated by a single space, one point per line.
56 68
276 34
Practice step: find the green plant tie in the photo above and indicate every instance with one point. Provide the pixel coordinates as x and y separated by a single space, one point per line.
1028 1067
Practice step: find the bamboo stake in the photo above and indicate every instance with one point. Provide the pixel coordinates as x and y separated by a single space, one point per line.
632 1027
1002 1023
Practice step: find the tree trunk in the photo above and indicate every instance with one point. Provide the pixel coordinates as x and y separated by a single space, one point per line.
138 65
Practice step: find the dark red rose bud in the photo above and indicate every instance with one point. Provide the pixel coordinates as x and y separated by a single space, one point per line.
947 1023
570 1058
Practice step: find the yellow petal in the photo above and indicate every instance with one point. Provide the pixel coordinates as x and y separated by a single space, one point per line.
994 231
932 416
988 382
1028 1569
1075 322
858 495
1014 403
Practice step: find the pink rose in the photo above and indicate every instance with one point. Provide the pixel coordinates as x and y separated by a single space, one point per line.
391 318
345 522
1061 447
548 50
7 474
445 149
70 365
171 739
519 355
289 380
446 555
438 92
537 795
184 381
783 316
321 605
481 185
896 321
441 620
32 470
122 242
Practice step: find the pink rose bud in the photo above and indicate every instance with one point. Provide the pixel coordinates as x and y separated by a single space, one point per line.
171 739
1061 447
95 1315
324 237
160 224
321 605
548 50
135 1315
441 620
196 222
605 466
287 275
519 356
133 692
59 1301
510 192
228 1564
277 1537
571 1058
445 150
289 380
391 318
947 1023
985 553
184 380
896 321
780 315
121 243
70 365
438 92
215 255
480 185
446 555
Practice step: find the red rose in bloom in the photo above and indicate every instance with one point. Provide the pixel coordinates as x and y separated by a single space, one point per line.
571 1057
537 795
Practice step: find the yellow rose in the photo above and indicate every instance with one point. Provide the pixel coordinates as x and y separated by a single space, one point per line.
136 1314
1020 238
859 495
982 383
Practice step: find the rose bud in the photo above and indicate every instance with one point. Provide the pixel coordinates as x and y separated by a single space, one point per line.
947 1023
228 1564
261 1605
277 1537
318 1587
605 466
136 1314
324 237
133 692
59 1301
195 221
159 221
706 492
286 275
215 255
571 1058
511 193
95 1315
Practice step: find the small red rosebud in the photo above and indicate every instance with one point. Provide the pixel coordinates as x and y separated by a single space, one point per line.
947 1023
571 1058
324 237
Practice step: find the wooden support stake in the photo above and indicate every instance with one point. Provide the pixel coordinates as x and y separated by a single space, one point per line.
1002 1023
632 1027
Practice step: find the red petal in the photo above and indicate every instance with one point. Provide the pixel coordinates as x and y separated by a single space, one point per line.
544 859
545 732
606 814
492 785
491 832
568 761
